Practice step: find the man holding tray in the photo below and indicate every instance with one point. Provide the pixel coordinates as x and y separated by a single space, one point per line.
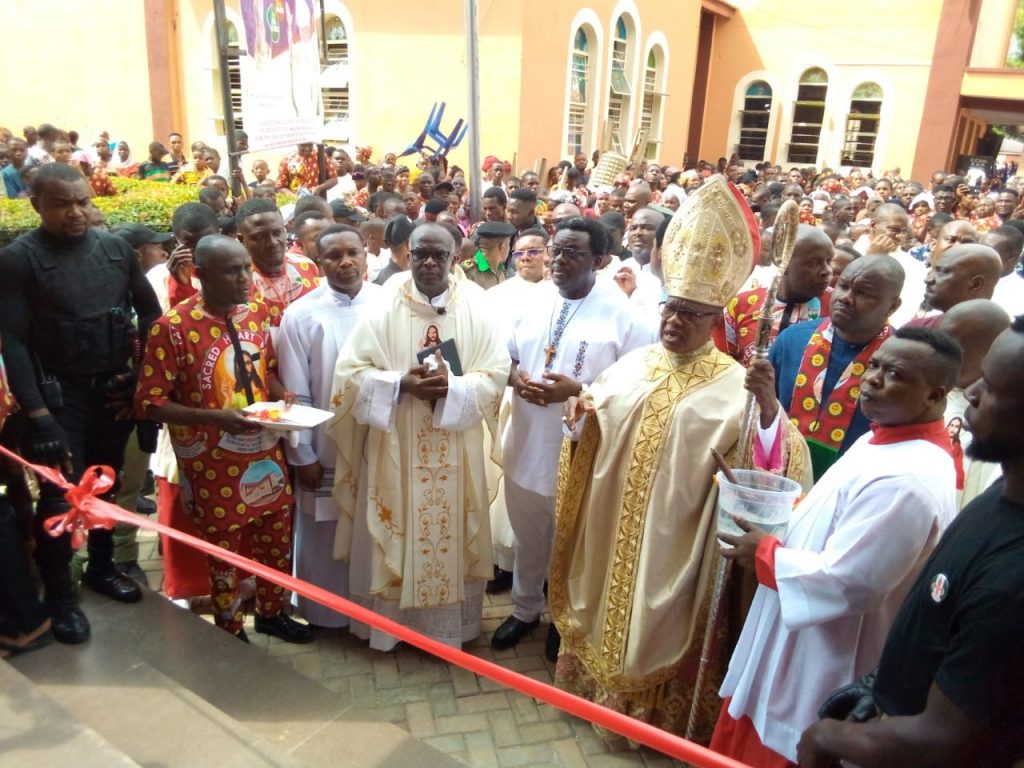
206 358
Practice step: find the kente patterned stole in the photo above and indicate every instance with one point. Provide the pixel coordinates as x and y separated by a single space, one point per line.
823 419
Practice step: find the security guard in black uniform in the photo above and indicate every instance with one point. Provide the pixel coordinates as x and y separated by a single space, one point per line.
67 296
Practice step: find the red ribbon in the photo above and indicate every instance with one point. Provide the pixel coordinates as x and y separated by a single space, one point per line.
88 512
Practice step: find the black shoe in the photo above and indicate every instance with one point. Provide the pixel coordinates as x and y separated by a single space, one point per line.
70 624
240 634
552 644
114 585
284 627
134 572
511 631
144 505
502 582
148 485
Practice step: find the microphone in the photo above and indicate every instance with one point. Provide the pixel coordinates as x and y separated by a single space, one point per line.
440 310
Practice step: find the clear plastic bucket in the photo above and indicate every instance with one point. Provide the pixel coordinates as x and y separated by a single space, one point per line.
764 499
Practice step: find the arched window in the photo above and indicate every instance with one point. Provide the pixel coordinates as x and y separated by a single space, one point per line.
754 118
654 96
579 93
808 117
334 79
862 125
619 88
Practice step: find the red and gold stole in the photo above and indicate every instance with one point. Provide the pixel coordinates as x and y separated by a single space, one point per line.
824 419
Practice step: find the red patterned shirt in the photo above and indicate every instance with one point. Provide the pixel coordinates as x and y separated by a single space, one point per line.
191 359
296 171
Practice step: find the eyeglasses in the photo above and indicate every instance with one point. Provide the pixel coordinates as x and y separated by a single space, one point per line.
533 253
620 184
667 310
557 251
419 256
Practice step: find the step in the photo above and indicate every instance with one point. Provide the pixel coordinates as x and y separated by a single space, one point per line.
36 730
160 683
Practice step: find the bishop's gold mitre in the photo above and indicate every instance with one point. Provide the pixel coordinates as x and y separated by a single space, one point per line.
710 245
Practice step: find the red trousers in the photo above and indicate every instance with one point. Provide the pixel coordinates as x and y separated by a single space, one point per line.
269 537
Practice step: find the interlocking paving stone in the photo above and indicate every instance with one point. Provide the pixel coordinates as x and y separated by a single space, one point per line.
471 718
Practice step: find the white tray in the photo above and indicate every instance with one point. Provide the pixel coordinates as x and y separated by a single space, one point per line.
293 417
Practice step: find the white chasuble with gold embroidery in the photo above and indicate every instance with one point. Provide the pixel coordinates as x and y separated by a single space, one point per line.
411 477
635 548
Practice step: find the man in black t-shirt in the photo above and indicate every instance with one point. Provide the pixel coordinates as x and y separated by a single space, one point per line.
951 678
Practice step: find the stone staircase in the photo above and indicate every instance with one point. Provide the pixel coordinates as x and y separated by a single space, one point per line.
159 687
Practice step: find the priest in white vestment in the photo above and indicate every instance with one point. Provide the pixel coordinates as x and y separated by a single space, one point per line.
411 476
313 331
635 556
567 338
829 590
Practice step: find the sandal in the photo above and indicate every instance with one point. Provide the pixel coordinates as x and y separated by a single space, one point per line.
39 637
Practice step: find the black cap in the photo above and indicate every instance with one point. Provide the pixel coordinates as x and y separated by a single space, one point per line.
397 230
613 220
342 210
435 206
137 235
495 229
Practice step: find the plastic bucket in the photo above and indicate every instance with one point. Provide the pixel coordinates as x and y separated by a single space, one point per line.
764 499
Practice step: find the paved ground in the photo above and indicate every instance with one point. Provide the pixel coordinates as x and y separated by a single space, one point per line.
476 721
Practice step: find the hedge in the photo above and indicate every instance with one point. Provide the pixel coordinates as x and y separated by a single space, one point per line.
146 202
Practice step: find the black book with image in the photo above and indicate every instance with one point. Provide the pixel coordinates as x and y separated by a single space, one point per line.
448 352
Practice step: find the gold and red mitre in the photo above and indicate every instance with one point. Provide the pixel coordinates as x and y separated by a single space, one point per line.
710 245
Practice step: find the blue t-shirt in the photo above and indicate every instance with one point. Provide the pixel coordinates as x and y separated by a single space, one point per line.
786 355
13 182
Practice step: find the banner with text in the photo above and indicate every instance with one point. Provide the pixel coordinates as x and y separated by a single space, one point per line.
281 74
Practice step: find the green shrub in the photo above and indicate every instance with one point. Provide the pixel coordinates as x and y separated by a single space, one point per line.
145 202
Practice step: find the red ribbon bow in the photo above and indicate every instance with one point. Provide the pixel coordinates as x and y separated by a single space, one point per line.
87 511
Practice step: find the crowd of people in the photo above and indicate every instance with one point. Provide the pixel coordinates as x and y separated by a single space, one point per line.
538 402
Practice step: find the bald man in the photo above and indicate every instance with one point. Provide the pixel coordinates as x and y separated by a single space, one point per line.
799 297
819 363
564 211
638 195
888 231
956 232
962 273
1008 242
207 359
975 325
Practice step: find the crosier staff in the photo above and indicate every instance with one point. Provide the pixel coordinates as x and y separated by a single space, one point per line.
783 241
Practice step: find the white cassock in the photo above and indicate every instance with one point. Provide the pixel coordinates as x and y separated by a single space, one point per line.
595 332
508 299
313 331
852 549
412 481
646 299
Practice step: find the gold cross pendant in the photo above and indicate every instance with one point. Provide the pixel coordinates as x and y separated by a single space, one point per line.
549 356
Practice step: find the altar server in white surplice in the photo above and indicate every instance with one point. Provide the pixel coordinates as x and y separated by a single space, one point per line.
411 476
313 331
829 590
